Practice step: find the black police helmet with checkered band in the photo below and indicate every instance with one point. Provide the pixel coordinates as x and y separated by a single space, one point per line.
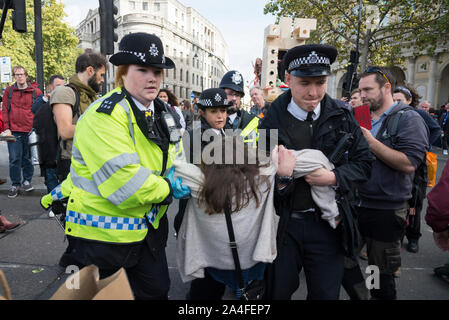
214 98
142 49
310 60
233 80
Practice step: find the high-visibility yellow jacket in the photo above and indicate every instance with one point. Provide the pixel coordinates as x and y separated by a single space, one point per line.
250 133
116 175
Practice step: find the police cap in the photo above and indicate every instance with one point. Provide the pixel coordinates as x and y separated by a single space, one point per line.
142 49
310 60
233 80
214 98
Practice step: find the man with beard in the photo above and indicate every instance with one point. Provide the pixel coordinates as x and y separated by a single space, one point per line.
383 205
90 68
239 119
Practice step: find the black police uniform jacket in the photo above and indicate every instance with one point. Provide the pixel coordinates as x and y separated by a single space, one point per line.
353 168
244 118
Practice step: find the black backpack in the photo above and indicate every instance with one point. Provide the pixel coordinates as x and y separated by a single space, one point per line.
420 180
47 131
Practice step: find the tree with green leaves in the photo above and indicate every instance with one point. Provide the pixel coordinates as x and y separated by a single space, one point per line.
59 41
387 26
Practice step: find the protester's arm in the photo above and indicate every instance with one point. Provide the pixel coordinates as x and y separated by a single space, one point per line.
63 118
394 159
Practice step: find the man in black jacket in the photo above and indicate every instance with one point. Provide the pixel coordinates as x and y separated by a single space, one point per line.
306 117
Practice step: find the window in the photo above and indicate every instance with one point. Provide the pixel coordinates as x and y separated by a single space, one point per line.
193 78
180 75
187 76
145 6
132 5
174 73
157 6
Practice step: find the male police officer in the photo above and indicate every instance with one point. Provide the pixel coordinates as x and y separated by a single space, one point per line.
239 119
306 117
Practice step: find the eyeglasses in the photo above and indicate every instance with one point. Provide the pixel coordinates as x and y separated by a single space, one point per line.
376 70
19 74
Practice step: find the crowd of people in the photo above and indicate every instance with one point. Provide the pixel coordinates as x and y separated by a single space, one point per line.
251 214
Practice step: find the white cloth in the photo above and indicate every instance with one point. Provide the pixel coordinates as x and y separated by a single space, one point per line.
203 239
308 160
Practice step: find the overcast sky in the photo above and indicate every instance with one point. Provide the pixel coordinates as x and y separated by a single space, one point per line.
241 22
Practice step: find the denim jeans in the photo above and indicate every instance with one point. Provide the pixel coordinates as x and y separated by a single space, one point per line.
20 159
51 179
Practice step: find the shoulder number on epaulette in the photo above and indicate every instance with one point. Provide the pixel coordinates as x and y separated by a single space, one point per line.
108 104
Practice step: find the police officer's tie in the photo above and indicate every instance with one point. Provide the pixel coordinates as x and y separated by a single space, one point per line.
309 119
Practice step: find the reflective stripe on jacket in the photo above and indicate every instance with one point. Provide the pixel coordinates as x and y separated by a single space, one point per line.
116 176
250 133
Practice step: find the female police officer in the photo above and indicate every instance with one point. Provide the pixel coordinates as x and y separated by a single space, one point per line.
124 145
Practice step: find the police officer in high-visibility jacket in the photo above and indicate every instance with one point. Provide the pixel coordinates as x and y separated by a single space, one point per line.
238 118
124 148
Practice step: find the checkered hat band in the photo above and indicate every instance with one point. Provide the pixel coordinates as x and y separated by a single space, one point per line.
139 55
308 61
103 222
206 102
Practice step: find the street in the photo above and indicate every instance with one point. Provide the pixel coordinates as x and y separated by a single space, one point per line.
29 256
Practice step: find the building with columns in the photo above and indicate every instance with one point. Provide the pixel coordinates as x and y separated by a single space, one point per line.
429 75
195 45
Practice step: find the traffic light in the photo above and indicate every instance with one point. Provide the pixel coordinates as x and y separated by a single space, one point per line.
107 26
19 16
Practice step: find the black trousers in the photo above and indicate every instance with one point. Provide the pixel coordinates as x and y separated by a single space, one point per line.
206 288
145 262
313 245
413 229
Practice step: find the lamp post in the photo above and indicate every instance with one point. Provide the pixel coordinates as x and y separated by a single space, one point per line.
354 57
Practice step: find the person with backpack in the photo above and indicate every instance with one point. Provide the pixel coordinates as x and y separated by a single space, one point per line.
409 96
56 80
18 121
46 149
90 68
399 139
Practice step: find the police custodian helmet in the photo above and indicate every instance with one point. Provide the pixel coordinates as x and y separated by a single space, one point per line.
310 60
214 98
143 49
233 80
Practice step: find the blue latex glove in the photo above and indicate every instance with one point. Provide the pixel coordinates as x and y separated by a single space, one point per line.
180 191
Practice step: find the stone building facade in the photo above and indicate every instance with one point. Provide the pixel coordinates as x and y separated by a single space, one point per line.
194 43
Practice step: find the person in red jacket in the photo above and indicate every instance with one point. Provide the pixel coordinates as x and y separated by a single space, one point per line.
437 217
2 181
18 121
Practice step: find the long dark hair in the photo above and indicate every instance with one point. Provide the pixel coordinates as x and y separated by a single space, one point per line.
172 100
410 93
233 184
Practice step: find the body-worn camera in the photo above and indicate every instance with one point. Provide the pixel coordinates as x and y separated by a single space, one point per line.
170 124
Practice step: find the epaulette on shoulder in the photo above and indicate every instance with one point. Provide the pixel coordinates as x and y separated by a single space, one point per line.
108 104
